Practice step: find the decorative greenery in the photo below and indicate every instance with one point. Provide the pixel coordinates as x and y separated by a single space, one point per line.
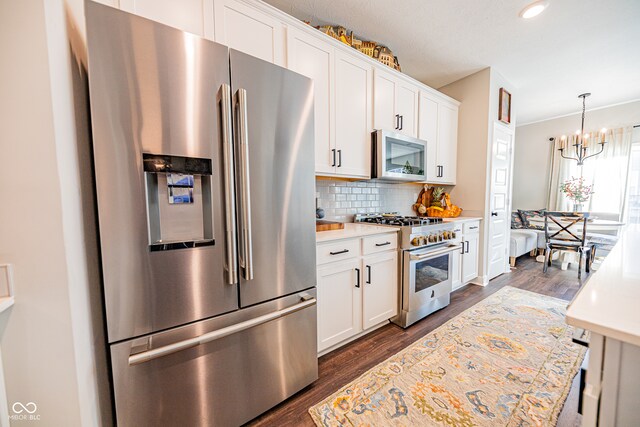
576 190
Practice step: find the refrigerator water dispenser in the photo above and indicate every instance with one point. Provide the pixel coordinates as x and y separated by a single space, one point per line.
178 192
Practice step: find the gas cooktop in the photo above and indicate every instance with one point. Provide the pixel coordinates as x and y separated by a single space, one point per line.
395 219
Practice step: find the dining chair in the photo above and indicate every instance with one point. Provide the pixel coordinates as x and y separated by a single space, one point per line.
561 234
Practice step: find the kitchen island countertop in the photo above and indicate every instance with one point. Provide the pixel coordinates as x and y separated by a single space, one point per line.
609 303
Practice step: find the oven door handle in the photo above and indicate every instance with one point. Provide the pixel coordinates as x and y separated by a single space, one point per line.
433 254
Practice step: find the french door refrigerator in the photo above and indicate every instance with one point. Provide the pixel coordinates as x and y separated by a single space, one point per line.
205 189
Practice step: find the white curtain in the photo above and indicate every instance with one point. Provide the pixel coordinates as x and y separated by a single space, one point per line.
607 172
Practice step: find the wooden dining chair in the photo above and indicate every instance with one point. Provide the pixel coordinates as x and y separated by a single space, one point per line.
565 236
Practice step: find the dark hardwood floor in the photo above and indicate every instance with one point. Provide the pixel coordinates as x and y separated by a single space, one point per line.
349 362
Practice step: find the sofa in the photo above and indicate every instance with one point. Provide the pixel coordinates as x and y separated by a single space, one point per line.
523 241
525 238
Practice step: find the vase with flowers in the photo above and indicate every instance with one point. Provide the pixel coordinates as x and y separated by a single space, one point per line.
577 191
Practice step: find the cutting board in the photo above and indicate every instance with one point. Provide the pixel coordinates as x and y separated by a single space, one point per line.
322 225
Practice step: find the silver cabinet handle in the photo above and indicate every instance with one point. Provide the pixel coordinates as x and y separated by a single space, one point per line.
229 183
145 356
246 261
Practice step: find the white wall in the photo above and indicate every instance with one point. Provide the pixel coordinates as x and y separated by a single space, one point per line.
479 97
52 341
533 150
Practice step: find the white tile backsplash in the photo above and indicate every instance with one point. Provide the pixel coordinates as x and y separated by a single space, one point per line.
341 200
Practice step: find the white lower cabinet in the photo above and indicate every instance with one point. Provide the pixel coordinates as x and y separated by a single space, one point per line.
380 288
465 261
358 293
339 302
470 237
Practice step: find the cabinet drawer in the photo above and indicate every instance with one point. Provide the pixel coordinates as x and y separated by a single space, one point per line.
471 227
379 243
337 251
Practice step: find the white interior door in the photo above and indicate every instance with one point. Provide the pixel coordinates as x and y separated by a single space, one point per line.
499 200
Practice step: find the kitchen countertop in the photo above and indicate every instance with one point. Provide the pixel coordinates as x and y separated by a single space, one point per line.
352 230
609 303
5 303
463 219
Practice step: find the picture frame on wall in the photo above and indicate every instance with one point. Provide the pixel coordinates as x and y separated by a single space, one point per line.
504 111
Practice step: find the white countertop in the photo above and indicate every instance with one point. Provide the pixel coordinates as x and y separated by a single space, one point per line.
609 303
352 230
5 303
463 219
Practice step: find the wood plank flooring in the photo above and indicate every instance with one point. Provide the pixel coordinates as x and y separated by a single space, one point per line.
349 362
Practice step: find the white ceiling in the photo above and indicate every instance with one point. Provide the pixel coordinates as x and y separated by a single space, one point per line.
574 46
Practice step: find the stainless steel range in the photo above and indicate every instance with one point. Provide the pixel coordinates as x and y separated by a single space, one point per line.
426 249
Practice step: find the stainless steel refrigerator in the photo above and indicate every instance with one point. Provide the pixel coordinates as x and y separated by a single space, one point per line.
204 167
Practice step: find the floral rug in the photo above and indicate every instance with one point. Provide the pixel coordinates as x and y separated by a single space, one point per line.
506 361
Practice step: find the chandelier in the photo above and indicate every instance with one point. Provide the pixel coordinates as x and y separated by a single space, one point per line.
583 143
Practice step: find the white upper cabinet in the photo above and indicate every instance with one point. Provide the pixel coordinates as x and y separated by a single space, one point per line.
353 106
428 131
438 125
384 100
407 108
193 16
342 106
395 104
314 58
249 30
447 142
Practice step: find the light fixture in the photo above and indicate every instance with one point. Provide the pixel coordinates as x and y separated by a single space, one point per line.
582 141
534 9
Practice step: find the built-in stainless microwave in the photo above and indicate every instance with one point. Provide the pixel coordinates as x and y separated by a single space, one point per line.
397 157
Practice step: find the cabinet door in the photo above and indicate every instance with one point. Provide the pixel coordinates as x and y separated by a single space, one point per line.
384 101
470 258
428 131
248 30
314 58
339 302
193 16
380 288
407 108
447 142
353 110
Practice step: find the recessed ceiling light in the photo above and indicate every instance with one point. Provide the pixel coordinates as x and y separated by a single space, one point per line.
534 9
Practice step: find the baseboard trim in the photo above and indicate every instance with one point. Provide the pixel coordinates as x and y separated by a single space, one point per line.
353 338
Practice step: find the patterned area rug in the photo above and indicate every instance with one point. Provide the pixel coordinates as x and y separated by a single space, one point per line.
506 361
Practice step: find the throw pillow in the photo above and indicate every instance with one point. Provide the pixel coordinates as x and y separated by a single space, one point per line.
529 215
516 221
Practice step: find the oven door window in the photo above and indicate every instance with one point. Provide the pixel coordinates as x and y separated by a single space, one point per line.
403 157
431 272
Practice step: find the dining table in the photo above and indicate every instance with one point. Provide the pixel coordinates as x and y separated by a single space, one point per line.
596 227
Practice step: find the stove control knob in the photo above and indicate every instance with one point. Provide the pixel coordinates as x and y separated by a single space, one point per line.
416 241
453 234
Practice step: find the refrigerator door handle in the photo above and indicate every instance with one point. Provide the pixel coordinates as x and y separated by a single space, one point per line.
246 261
229 183
156 353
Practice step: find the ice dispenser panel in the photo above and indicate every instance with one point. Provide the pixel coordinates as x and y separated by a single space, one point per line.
179 212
